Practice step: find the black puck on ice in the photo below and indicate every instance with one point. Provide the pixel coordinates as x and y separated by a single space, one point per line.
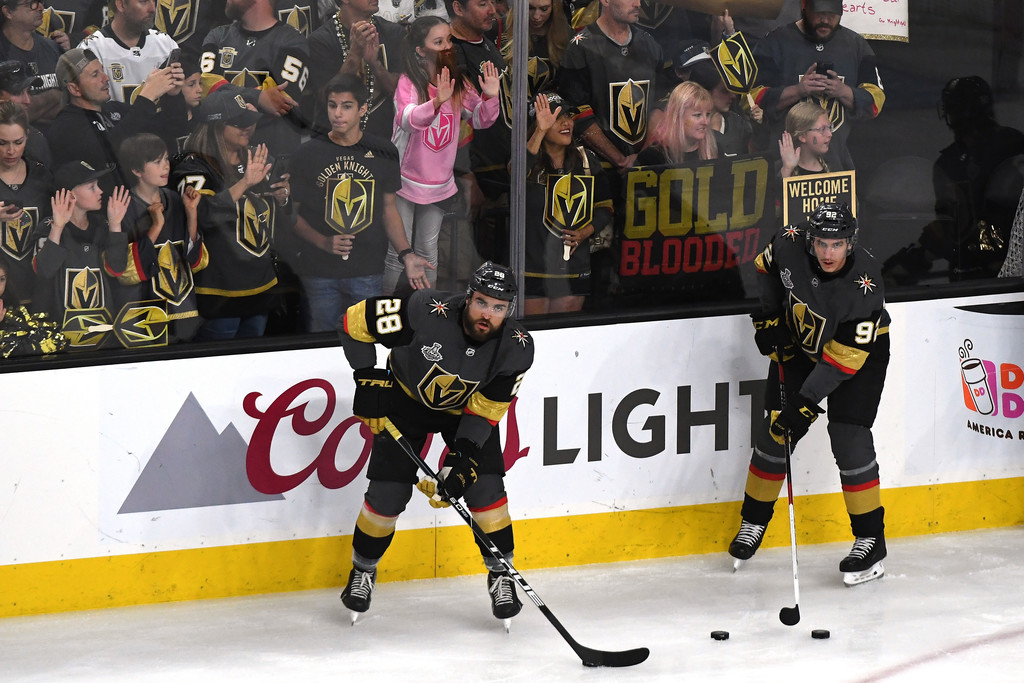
820 634
720 635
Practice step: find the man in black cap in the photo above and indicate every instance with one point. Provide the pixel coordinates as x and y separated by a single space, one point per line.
72 282
14 86
91 127
816 59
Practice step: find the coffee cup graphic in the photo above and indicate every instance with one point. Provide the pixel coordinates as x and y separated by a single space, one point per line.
973 372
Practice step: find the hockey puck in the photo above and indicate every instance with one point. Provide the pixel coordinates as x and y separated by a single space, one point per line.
820 634
720 635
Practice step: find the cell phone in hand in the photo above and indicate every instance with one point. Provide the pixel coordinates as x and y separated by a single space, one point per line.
824 68
172 58
280 166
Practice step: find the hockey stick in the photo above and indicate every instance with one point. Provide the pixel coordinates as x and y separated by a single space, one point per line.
589 656
790 616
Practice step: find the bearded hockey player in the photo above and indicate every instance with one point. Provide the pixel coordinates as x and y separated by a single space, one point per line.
823 312
455 365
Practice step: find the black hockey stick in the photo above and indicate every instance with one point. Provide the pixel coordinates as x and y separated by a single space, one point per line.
589 656
790 616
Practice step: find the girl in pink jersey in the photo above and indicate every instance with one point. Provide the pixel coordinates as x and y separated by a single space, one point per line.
430 102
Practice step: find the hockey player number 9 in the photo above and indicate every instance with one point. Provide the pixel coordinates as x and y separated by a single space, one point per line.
388 319
865 332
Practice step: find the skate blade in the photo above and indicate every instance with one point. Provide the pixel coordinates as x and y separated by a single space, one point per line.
507 623
873 572
737 563
353 615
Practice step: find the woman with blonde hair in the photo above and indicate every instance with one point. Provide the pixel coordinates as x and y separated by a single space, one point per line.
683 133
805 141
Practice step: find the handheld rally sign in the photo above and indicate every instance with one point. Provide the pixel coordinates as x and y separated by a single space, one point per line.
735 63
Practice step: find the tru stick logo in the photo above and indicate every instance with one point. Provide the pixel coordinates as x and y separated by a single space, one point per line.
990 387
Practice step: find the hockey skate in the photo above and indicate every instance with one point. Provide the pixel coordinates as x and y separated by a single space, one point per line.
505 604
748 540
357 594
864 563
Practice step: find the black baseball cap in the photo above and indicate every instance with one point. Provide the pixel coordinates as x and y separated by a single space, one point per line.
830 6
227 105
14 77
75 173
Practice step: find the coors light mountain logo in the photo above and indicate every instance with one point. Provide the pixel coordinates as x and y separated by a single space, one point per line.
194 465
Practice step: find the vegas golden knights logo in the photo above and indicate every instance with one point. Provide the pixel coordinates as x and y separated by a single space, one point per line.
87 327
735 63
538 77
56 20
628 110
227 58
246 78
83 288
349 204
177 18
808 325
173 281
653 14
441 390
116 72
834 108
568 202
297 17
252 230
16 238
140 324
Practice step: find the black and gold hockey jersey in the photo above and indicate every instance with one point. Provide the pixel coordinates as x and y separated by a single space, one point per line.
248 58
19 238
834 318
434 362
611 84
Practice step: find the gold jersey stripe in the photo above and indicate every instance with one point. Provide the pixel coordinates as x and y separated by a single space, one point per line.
372 524
846 358
490 410
866 500
213 291
765 490
355 323
494 519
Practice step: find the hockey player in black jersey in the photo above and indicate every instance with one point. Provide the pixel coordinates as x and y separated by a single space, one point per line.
456 363
823 309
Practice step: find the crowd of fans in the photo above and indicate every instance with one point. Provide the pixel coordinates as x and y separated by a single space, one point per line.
175 178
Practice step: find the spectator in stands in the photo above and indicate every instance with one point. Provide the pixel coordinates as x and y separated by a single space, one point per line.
19 40
355 41
238 216
72 284
164 244
567 203
805 141
14 86
431 100
129 48
91 127
69 21
25 190
684 132
345 192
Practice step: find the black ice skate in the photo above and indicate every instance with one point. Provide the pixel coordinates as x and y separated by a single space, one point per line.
357 593
864 563
505 604
748 540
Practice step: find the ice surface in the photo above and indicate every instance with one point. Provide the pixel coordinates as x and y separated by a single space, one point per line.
950 606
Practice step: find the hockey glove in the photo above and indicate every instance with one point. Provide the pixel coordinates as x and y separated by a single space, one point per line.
771 334
460 471
429 488
370 401
795 418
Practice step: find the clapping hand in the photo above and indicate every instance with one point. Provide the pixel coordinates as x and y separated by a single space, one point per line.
490 80
545 117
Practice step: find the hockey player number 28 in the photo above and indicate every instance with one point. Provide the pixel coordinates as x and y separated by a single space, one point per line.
388 320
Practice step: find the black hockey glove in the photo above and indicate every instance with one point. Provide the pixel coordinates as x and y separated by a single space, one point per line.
460 471
771 334
795 418
370 401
